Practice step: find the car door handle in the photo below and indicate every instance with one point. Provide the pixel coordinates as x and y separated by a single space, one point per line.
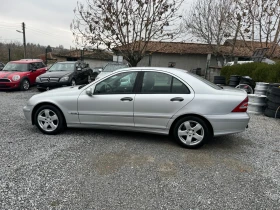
127 99
177 99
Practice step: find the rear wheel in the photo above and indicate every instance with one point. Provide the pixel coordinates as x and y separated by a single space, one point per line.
24 85
191 132
49 120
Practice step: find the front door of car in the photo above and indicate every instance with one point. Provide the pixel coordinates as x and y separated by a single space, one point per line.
111 102
161 96
34 72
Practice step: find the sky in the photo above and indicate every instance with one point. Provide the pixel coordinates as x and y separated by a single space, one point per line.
47 22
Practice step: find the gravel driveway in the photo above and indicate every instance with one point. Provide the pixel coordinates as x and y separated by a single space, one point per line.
98 169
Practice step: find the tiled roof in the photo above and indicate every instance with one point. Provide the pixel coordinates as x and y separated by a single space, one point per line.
92 54
194 48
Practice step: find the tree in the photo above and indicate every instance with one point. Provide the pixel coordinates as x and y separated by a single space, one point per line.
127 23
210 21
261 24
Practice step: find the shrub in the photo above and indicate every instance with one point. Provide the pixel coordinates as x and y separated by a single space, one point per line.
259 72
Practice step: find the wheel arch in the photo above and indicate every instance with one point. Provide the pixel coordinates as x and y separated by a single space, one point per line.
42 104
191 115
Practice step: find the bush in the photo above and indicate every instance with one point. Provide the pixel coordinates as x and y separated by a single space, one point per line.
259 72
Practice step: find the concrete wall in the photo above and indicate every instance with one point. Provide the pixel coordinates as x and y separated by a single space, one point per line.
187 62
96 63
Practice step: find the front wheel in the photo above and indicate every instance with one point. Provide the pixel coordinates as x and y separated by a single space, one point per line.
24 85
191 132
49 120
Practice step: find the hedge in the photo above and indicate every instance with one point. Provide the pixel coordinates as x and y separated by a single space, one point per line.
259 72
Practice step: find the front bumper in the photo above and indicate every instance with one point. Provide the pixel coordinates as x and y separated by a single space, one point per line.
51 85
9 85
27 110
229 124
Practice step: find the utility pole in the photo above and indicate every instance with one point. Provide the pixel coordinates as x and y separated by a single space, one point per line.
24 40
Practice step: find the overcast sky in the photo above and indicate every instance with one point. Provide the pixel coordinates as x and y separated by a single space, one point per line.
47 22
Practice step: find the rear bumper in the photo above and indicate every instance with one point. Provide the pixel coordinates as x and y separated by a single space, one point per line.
229 124
9 85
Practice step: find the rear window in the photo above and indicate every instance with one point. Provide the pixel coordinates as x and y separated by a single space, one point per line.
206 81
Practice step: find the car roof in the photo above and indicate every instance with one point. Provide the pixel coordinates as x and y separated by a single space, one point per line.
170 70
27 61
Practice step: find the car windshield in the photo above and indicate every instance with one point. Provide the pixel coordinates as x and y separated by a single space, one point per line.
206 81
114 67
62 67
16 67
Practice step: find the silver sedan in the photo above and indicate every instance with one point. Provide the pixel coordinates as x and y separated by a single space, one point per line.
156 100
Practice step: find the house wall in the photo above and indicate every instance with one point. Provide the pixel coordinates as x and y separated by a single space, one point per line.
187 62
96 63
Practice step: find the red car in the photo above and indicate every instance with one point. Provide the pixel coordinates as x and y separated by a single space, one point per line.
21 74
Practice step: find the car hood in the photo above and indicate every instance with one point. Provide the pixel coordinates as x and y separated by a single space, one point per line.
58 74
10 74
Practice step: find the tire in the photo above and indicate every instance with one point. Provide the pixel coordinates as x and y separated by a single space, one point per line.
44 123
273 98
271 113
273 106
275 91
235 78
220 82
191 122
41 89
73 82
24 85
219 78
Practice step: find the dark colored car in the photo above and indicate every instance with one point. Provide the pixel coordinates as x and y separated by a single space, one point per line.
69 73
1 66
21 74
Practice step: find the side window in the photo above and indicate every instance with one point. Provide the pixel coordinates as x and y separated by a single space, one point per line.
117 84
154 82
179 87
160 83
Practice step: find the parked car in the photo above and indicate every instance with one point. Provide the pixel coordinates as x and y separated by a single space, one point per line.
156 100
96 71
110 67
21 74
1 66
69 73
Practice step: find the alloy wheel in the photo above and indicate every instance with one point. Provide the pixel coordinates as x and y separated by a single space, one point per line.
48 120
25 85
191 133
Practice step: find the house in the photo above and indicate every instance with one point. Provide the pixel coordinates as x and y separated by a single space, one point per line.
95 58
191 56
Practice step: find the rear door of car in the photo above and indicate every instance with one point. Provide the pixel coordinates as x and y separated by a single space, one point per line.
161 96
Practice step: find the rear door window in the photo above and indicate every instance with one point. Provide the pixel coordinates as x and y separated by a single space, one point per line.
161 83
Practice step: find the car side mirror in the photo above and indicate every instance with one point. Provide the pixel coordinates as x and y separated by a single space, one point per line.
89 91
79 69
33 69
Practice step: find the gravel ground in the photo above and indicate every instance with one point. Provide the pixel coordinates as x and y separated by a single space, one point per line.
96 169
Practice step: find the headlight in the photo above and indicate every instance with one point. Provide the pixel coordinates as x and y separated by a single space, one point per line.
16 77
38 79
64 79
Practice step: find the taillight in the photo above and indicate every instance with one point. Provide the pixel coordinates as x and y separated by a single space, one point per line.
242 107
